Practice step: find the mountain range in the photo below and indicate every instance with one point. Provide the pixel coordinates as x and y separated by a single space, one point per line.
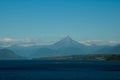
6 54
65 47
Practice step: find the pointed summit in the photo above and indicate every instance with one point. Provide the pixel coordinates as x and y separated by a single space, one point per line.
67 39
67 42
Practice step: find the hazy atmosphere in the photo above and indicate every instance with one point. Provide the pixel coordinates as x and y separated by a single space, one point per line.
59 39
47 21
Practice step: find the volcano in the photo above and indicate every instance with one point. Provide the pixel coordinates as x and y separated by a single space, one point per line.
67 42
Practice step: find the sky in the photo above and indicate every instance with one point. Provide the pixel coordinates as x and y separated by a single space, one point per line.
49 20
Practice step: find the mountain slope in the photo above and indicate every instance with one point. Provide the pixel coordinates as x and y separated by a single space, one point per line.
8 54
66 42
116 49
44 52
109 50
66 46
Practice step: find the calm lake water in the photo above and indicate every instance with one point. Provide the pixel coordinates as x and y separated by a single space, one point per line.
59 70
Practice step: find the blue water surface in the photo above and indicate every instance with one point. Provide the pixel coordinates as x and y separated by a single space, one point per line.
59 70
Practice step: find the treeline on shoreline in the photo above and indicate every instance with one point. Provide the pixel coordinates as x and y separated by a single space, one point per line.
108 57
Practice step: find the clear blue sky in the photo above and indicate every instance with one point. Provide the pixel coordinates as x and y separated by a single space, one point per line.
81 19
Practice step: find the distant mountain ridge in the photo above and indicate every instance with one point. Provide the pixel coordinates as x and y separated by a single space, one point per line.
6 54
65 47
68 46
110 50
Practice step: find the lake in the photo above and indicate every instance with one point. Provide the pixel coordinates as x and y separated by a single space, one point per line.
59 70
